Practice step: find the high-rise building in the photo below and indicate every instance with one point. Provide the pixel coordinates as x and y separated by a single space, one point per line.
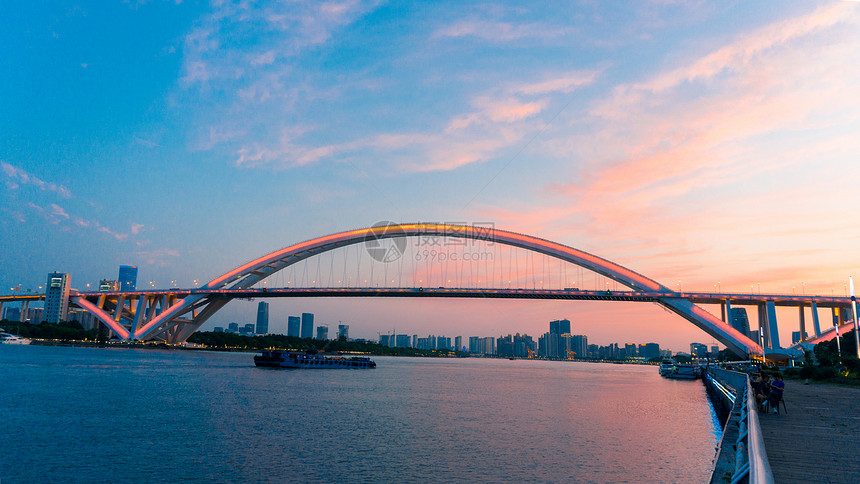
322 332
649 350
473 344
107 285
293 326
127 278
478 345
12 314
548 345
698 350
343 331
262 317
487 345
248 329
630 350
233 328
35 315
458 343
85 318
740 321
403 340
505 345
307 325
443 343
523 344
579 345
559 326
518 345
57 297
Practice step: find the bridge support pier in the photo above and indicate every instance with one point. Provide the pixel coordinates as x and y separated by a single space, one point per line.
763 329
802 317
726 307
815 322
774 329
1 308
25 308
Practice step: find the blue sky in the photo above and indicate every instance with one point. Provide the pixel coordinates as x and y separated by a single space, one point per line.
690 141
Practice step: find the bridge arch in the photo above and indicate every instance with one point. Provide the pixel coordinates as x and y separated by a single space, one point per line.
202 306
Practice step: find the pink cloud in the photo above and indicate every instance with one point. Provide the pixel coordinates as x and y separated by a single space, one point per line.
159 257
566 83
15 173
113 234
56 215
745 49
497 31
58 211
263 59
673 146
507 110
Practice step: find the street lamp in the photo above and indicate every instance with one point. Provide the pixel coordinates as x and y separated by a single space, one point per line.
838 344
856 319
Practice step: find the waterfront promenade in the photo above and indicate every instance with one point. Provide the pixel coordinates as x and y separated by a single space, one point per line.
816 440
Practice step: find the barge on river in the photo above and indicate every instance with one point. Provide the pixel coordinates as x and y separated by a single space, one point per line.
670 368
292 359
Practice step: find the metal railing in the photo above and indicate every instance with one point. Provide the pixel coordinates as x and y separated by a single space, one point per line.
751 464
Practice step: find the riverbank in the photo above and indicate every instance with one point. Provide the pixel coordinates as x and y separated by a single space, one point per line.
815 437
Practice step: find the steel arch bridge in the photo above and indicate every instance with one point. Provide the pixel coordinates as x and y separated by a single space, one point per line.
172 318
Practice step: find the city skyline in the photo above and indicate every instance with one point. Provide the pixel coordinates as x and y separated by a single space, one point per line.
564 327
701 146
490 344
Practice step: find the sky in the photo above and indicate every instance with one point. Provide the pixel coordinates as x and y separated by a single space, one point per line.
697 143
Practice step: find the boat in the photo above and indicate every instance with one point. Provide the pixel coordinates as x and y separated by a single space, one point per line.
11 339
670 368
294 359
666 366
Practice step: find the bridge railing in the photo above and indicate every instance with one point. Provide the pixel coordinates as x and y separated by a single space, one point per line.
751 464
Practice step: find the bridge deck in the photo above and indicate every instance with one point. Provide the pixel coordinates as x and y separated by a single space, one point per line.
816 439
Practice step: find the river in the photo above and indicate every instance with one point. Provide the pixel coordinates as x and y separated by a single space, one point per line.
133 415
